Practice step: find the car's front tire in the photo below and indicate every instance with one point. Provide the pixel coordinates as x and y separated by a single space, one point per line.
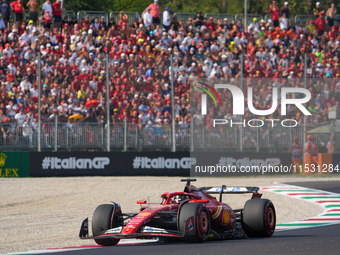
103 219
259 218
194 222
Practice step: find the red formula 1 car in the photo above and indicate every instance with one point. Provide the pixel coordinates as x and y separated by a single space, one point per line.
192 215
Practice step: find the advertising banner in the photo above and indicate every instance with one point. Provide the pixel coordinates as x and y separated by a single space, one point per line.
14 164
109 164
46 164
209 164
335 167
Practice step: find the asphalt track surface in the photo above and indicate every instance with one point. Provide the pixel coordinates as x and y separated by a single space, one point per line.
317 240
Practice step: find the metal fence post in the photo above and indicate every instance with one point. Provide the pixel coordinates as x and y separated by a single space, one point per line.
241 127
173 148
245 14
305 86
56 133
107 104
39 101
125 133
257 139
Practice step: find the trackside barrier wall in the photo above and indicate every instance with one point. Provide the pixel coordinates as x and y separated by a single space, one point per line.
335 163
14 164
62 164
48 164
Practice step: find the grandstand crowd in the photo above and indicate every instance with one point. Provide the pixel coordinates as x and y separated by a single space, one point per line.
73 62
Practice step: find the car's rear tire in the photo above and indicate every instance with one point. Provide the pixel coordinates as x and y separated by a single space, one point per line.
194 222
259 218
103 219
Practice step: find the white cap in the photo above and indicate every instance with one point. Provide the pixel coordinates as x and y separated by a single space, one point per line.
164 33
270 21
90 31
215 64
224 56
317 3
122 55
102 71
166 85
286 3
169 49
193 63
42 46
226 19
83 69
291 72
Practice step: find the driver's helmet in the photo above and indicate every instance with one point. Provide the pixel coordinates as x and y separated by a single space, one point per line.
179 198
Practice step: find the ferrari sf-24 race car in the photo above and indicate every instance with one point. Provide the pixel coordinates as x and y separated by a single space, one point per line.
192 215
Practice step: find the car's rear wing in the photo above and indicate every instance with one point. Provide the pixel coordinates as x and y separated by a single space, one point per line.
231 190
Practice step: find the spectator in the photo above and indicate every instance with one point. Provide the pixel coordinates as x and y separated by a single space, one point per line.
147 18
330 15
317 10
285 9
5 10
198 20
155 10
47 6
274 11
27 131
33 7
166 19
320 24
47 20
283 22
2 22
18 8
57 12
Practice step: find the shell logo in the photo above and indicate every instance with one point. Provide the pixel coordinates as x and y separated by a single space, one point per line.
226 217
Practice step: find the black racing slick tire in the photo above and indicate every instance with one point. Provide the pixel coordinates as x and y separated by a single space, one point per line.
259 218
103 220
194 222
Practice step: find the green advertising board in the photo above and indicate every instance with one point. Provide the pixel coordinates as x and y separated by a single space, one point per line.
14 164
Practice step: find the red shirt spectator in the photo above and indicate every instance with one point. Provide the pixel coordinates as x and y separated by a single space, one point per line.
320 23
56 9
17 6
274 11
155 9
